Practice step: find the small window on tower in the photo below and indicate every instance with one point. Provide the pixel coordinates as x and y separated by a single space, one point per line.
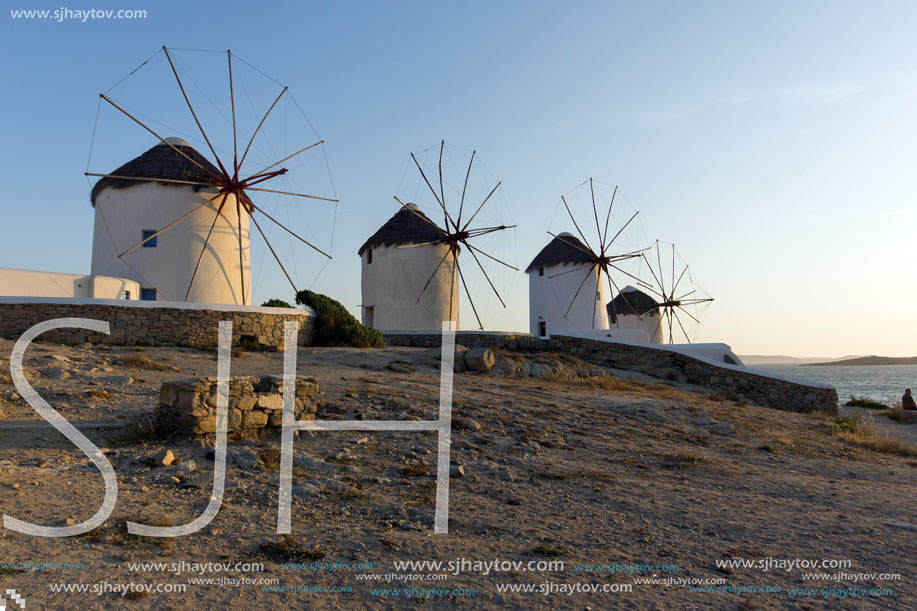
541 271
148 294
369 256
149 235
542 329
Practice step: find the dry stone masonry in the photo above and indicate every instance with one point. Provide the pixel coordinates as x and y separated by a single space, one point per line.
764 390
189 406
154 326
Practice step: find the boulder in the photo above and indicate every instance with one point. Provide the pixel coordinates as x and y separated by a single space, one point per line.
479 359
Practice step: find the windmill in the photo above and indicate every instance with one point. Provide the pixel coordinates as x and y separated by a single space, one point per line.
681 302
218 199
574 298
458 229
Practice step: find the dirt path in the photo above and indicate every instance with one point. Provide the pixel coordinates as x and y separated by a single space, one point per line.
621 481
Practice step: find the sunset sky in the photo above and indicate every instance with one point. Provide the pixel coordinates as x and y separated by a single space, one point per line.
774 143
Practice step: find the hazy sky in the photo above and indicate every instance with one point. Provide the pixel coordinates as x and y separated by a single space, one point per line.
773 143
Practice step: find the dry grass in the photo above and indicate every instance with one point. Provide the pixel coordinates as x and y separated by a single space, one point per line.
856 430
138 361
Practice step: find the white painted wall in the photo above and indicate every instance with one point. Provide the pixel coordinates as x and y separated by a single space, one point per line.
29 283
650 323
121 215
549 299
394 280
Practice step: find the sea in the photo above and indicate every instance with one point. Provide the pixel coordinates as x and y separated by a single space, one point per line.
883 383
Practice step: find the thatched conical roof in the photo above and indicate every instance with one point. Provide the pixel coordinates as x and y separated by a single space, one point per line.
565 249
406 227
161 161
630 301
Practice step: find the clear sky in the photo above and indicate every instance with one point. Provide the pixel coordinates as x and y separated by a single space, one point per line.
774 143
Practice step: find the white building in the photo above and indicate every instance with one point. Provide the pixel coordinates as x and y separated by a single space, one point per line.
129 210
566 292
29 283
397 261
634 309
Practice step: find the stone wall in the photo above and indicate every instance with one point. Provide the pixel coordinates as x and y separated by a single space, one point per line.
154 323
469 339
761 389
189 406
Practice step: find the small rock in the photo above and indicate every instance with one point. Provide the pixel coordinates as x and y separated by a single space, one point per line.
55 373
116 380
457 471
466 424
358 440
163 458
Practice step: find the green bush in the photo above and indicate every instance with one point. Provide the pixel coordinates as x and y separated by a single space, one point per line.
335 326
275 303
865 402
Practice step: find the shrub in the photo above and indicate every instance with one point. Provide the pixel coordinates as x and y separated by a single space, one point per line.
865 402
335 326
275 303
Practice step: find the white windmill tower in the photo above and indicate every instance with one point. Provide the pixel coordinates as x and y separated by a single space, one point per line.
634 309
138 235
567 278
404 259
566 290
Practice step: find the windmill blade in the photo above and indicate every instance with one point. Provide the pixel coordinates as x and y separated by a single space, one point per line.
476 260
623 228
273 252
433 191
625 272
661 275
670 312
686 313
658 282
492 191
614 310
575 224
418 215
288 230
235 144
204 248
241 250
575 295
421 244
595 213
680 276
569 271
476 233
257 129
174 181
687 337
465 188
194 114
442 194
576 246
169 226
324 199
274 165
217 179
475 248
608 216
468 294
433 275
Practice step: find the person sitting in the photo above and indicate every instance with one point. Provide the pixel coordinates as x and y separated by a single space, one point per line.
907 401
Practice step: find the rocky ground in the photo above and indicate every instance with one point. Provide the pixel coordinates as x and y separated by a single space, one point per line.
553 461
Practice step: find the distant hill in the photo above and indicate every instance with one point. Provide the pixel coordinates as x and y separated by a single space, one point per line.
779 359
869 361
